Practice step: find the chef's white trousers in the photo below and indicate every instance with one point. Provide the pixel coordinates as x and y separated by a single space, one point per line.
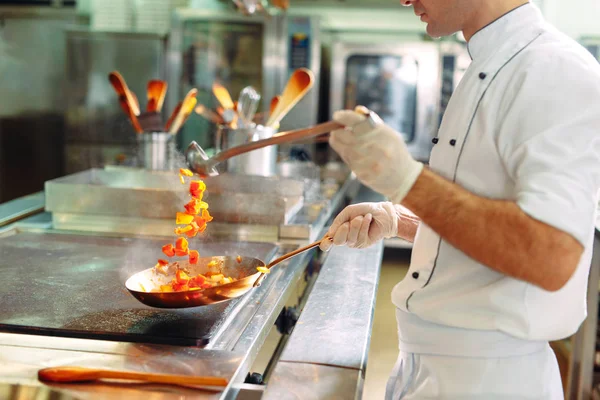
442 362
423 376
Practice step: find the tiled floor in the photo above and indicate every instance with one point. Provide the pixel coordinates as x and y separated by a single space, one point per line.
384 338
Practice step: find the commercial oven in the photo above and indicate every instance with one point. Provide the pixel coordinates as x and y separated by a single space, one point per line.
400 82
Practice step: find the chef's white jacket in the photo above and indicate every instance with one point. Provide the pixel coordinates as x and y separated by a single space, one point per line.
523 125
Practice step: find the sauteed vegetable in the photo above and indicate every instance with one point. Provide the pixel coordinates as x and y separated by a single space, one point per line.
191 222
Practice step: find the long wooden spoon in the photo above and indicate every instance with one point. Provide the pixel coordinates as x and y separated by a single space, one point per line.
273 105
209 114
80 374
298 85
182 111
187 107
125 105
157 90
173 115
224 98
118 83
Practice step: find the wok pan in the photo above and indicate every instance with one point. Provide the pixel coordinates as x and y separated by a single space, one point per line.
243 269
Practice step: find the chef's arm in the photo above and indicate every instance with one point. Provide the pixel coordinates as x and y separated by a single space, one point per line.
496 233
407 224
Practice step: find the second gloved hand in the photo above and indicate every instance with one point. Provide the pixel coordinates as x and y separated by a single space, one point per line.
361 225
376 153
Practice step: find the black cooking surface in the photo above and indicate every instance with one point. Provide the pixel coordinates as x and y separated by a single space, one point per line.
74 286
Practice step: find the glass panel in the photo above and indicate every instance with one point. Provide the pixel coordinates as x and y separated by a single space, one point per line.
387 85
226 52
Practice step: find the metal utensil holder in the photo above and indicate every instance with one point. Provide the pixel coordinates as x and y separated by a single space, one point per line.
261 162
156 151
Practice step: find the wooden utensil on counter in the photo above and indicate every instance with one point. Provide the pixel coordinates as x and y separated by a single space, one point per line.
298 85
118 83
80 374
157 91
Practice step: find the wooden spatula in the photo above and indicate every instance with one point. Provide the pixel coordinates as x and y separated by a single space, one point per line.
157 90
132 117
173 115
118 83
224 98
209 114
80 374
273 105
187 107
298 85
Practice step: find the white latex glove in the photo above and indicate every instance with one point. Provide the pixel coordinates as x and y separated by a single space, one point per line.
362 225
375 152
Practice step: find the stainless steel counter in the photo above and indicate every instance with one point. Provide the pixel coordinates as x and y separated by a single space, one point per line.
234 348
326 355
583 354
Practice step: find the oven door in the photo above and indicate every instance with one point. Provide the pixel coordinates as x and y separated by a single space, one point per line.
400 82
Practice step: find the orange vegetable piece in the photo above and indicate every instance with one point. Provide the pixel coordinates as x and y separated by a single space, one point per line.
181 253
169 250
181 231
185 172
194 255
181 244
191 234
183 219
197 188
192 208
197 281
162 263
181 277
238 259
200 222
166 288
206 215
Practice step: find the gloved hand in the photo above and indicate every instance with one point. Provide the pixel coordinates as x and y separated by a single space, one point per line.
376 153
361 225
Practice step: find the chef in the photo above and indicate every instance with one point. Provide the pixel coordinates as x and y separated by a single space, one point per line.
506 208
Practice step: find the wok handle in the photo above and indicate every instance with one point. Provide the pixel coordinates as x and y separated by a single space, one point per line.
289 255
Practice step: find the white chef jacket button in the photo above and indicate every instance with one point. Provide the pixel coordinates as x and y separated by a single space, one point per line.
435 140
415 275
452 142
482 75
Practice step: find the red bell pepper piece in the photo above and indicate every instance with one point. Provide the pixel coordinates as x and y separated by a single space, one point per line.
194 255
162 263
181 253
181 244
197 281
197 188
169 250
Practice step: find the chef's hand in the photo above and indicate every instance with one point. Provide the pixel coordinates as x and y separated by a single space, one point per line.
375 152
361 225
